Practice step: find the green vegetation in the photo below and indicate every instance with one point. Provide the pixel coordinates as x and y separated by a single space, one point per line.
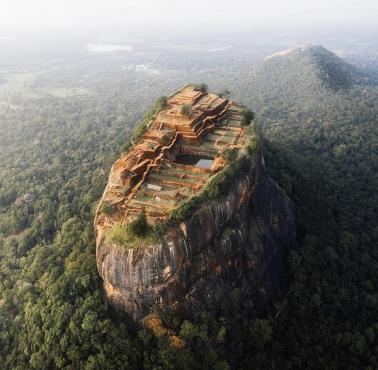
160 104
52 311
186 110
224 94
139 227
135 235
248 116
321 147
22 84
107 208
201 87
229 155
140 129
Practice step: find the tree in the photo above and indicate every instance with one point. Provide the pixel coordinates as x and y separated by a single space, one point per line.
107 208
248 116
139 226
201 87
186 110
224 94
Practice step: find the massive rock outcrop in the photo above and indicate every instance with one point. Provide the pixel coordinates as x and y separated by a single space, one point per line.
239 240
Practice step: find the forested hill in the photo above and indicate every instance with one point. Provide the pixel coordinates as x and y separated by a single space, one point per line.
322 139
303 73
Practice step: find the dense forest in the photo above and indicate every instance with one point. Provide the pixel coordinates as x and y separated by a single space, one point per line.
319 119
322 148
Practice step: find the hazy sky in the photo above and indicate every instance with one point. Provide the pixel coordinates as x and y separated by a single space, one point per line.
28 15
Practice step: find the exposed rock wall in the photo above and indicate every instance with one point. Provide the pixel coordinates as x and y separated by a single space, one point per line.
238 241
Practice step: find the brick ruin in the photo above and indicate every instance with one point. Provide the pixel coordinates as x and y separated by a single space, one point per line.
174 158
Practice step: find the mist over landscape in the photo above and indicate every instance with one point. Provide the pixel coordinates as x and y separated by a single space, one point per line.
188 185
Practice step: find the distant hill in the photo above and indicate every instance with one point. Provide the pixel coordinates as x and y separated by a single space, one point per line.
303 72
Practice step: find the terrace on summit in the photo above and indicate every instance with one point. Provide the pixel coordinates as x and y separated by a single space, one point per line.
174 159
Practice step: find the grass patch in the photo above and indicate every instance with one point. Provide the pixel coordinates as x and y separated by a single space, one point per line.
121 235
134 235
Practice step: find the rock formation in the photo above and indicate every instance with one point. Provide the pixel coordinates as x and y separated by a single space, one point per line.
236 241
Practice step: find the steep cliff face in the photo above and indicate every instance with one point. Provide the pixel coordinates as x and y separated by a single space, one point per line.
237 241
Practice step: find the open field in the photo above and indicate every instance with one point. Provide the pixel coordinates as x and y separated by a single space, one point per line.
21 84
18 83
